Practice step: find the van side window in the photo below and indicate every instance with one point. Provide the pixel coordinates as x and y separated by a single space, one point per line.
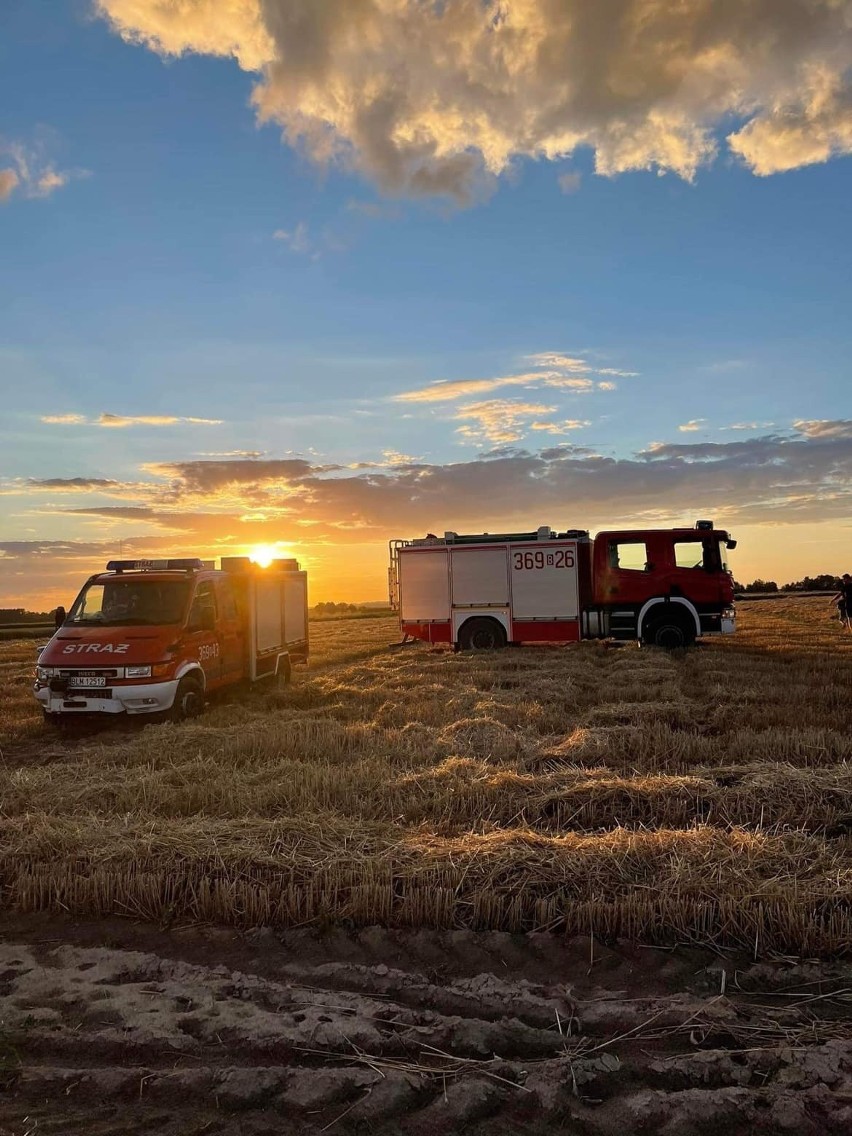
203 601
227 601
628 555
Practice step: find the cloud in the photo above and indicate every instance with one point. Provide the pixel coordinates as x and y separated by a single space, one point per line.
569 183
441 97
825 428
232 454
498 419
801 131
31 173
9 182
798 475
297 240
64 419
564 427
692 425
211 477
120 421
553 369
72 484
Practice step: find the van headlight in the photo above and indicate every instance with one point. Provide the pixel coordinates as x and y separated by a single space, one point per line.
43 673
137 672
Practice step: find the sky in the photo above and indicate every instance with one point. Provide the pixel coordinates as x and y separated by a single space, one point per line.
315 274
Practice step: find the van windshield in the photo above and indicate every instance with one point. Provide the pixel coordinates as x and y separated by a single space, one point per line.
122 603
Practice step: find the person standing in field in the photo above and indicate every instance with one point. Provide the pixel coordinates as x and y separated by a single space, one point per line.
843 600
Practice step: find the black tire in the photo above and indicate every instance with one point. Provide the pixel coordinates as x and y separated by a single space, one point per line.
670 633
482 634
189 700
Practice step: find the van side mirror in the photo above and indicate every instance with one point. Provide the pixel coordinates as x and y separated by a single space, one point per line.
59 617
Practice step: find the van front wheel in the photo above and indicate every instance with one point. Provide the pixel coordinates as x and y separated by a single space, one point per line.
189 700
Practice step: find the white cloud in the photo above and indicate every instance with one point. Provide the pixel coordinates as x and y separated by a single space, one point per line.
692 425
564 427
440 97
297 240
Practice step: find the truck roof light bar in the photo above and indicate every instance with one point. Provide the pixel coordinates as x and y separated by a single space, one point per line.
180 564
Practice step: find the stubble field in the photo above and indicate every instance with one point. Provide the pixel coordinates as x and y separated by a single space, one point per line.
605 865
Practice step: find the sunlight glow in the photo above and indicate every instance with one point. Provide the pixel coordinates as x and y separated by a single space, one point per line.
264 554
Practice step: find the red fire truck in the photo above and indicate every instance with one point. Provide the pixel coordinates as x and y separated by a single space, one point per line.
157 636
664 587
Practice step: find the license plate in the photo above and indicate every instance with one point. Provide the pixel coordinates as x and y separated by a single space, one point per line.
87 680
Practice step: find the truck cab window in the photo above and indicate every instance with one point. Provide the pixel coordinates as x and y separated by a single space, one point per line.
629 556
694 554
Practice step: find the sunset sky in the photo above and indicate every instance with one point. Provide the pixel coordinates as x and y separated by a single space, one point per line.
319 273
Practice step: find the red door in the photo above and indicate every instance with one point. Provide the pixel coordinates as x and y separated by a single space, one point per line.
202 633
694 570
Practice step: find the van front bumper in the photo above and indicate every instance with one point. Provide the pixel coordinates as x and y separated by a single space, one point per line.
143 698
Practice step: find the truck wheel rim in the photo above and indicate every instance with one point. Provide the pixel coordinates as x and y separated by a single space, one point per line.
191 704
670 637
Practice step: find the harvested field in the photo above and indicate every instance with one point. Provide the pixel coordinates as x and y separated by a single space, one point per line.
511 821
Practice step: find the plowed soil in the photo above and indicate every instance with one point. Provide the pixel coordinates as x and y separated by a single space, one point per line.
112 1027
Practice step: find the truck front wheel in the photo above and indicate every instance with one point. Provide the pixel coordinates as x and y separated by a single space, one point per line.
481 634
668 632
189 700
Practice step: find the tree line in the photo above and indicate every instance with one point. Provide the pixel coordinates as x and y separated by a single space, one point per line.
824 583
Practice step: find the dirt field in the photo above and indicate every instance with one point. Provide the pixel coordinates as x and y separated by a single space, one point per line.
589 890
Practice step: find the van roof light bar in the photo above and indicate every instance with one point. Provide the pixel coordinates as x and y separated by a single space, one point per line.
179 564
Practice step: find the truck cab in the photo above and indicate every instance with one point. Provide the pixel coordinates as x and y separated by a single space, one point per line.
663 586
154 637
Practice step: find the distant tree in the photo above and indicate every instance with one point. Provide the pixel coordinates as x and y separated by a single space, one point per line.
823 583
759 586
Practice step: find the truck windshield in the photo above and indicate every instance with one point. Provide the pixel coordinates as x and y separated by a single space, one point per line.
128 602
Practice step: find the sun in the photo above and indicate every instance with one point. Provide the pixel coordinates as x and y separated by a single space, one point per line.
263 554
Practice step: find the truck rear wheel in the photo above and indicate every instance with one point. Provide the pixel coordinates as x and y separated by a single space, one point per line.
189 700
481 634
669 632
